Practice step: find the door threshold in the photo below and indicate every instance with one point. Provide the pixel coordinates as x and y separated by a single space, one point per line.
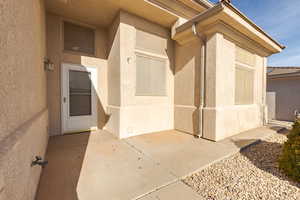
80 131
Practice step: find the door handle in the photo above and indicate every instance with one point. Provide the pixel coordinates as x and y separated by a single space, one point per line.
64 99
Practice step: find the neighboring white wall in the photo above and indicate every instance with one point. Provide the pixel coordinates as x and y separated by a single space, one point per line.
271 102
138 114
287 97
222 118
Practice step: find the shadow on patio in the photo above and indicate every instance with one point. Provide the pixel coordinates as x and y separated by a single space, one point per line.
60 177
99 166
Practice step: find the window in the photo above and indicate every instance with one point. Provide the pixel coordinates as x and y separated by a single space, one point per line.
244 81
244 76
151 43
244 56
79 39
150 76
80 93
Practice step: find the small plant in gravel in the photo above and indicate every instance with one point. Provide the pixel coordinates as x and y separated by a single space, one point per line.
289 161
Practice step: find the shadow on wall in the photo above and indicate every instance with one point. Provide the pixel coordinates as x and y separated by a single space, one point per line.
187 79
60 177
103 117
264 155
88 61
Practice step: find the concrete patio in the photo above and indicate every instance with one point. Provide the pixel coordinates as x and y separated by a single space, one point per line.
98 166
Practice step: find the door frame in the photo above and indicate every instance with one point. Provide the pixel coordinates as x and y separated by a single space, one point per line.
64 87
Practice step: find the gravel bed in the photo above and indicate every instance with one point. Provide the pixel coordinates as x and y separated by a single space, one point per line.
250 174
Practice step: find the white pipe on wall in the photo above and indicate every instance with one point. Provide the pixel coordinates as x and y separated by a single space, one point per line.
202 79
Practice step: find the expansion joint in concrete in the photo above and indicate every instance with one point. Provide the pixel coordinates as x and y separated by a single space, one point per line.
155 162
141 152
156 189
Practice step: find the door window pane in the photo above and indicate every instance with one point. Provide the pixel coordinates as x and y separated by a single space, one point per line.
80 93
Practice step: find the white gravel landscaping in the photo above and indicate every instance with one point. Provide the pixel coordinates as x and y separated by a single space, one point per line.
250 174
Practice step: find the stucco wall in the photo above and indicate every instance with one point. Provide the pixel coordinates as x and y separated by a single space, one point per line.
222 118
115 61
23 103
187 86
271 103
58 56
140 114
114 77
287 97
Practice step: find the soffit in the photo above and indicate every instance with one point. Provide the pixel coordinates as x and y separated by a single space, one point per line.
102 12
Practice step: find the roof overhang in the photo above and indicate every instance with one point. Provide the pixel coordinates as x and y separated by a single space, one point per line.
281 76
204 3
101 13
224 13
283 72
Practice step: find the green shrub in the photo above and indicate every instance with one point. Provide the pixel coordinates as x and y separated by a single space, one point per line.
289 160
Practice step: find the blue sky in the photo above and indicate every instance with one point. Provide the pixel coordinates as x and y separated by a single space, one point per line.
281 20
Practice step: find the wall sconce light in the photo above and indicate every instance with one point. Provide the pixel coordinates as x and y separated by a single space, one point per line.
129 60
49 66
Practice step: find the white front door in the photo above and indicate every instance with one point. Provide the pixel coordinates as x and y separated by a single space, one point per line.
79 98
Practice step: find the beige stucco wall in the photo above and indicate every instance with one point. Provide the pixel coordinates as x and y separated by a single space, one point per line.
114 77
58 56
222 118
187 86
287 97
126 114
120 112
23 103
140 114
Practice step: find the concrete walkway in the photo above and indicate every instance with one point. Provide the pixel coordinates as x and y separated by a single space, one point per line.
98 166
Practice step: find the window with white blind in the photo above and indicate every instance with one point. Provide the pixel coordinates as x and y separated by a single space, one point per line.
245 57
244 83
150 75
79 38
244 76
151 43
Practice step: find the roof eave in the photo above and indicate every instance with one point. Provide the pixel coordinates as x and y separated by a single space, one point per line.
228 10
205 3
289 75
253 24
